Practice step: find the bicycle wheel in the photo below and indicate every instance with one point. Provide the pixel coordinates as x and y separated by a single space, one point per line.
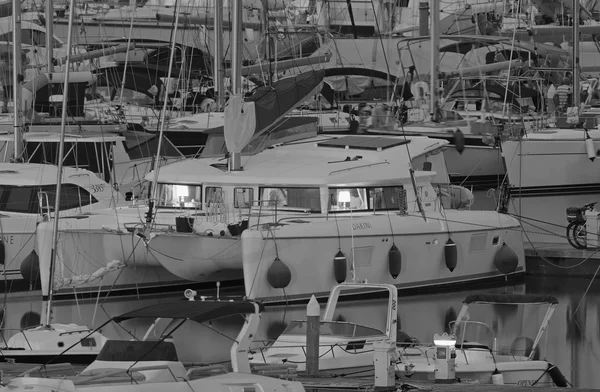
579 235
570 233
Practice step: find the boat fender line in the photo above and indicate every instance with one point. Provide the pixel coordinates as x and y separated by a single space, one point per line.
506 260
451 254
459 141
557 377
30 268
279 275
589 146
497 377
394 261
340 269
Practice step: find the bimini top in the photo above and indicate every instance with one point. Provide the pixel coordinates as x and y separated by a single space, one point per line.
513 299
199 311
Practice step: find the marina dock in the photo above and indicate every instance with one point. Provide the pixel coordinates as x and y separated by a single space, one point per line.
547 259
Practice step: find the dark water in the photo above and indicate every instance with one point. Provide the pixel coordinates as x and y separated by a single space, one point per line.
572 341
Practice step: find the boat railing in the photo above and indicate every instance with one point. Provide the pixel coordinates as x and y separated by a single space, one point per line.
402 349
49 370
44 203
462 327
351 346
130 373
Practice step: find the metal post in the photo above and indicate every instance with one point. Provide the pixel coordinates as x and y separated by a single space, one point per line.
50 35
219 72
17 81
576 97
313 323
236 64
435 55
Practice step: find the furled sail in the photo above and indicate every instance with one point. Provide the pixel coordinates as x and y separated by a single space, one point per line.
259 112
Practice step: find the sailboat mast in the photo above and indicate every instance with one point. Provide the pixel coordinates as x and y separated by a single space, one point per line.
576 97
167 88
236 65
435 57
17 81
219 72
50 35
61 152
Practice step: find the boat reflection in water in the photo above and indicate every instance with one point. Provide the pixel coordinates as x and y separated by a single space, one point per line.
572 341
566 345
210 343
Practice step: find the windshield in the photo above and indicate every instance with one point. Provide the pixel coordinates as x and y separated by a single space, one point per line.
137 350
333 328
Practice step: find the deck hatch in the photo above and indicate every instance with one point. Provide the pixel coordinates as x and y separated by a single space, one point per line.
362 143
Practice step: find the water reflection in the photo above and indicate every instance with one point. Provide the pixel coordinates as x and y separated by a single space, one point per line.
572 341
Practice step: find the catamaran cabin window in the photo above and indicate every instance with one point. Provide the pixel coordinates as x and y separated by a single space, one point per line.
179 196
356 199
386 198
214 195
24 199
348 199
304 198
242 197
71 196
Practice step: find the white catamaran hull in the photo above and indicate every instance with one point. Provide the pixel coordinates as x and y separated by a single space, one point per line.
548 172
308 251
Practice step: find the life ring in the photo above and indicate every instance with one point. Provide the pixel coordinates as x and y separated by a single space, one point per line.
420 90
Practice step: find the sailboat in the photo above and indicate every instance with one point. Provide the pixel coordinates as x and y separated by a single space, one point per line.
539 198
44 342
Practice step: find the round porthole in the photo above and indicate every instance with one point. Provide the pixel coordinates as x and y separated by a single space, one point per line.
61 344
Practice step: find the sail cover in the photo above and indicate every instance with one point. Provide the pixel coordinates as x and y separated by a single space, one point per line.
199 311
259 111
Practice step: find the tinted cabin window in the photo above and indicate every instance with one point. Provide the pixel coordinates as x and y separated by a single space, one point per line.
243 197
140 145
131 350
304 198
17 199
356 199
88 342
71 196
214 195
24 199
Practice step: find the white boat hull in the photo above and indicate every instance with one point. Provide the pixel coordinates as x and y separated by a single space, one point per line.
517 373
308 251
478 165
549 172
168 257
